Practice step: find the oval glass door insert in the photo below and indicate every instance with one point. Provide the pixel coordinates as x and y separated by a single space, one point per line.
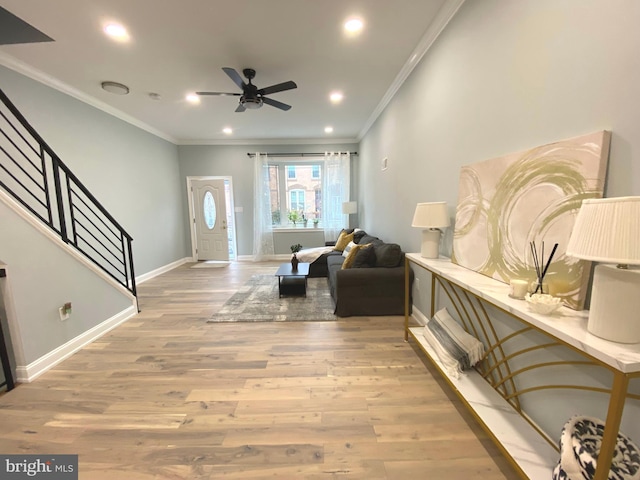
209 210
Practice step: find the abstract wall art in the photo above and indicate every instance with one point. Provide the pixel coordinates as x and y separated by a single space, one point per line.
508 202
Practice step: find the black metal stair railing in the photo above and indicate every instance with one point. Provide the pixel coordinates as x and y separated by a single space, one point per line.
34 176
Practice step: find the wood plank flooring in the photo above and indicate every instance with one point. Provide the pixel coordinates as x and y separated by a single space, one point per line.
167 396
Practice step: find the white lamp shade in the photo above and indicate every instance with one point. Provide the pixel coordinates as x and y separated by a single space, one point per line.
607 230
431 215
349 208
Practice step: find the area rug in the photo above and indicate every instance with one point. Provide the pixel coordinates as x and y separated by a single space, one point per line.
258 301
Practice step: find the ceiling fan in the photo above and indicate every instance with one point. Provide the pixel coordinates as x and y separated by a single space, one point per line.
253 97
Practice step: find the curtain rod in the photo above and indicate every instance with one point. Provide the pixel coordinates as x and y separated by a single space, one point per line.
312 154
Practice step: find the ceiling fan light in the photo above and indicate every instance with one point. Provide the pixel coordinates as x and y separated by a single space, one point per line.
251 103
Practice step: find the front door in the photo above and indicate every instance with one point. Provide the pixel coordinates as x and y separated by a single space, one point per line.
210 219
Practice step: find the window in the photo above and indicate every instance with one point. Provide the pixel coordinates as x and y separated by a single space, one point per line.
296 200
295 187
209 210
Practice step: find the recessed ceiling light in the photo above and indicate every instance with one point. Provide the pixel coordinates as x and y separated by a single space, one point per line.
353 25
115 87
116 31
336 97
328 129
193 98
227 130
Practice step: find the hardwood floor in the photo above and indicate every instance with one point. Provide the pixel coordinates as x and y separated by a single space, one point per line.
168 396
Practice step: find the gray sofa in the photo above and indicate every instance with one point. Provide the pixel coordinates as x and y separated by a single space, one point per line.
374 285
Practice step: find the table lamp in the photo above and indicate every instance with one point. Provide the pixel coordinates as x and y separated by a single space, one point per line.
431 217
608 230
349 208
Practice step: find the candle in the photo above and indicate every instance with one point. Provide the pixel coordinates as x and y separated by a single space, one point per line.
518 288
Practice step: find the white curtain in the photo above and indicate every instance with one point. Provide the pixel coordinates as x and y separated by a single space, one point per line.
335 191
262 226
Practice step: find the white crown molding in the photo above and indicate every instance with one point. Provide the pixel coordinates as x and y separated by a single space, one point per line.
16 65
272 141
442 19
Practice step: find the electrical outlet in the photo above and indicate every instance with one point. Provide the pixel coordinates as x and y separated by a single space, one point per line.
65 311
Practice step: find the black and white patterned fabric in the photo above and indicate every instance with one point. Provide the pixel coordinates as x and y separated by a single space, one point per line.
579 448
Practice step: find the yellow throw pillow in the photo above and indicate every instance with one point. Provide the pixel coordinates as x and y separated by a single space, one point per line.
348 262
343 241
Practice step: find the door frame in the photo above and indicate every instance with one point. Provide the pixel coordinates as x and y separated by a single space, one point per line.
192 229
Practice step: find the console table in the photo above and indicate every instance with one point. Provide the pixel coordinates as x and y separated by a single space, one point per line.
492 392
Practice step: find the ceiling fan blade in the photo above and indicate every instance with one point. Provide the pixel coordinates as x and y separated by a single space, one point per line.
235 76
223 94
280 87
275 103
240 108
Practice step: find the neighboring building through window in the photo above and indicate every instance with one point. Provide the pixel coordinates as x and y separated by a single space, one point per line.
295 186
296 202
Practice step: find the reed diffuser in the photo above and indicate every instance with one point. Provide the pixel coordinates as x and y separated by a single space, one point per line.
540 265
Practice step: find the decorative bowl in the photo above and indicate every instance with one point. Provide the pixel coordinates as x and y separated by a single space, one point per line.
543 303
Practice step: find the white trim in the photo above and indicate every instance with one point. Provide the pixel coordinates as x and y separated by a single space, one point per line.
442 19
159 271
192 213
39 76
53 236
418 316
32 371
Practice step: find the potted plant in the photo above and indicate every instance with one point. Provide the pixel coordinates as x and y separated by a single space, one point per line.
315 222
304 220
294 217
294 259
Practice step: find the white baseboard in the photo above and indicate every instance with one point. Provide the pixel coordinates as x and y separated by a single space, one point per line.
419 317
159 271
29 373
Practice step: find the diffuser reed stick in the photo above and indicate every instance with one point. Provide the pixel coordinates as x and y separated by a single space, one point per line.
540 265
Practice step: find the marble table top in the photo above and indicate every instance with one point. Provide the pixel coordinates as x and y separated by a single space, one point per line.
566 324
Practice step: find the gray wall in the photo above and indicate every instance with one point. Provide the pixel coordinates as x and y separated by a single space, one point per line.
44 277
505 76
232 160
133 173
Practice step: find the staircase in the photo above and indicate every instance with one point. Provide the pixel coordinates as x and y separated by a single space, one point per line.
35 177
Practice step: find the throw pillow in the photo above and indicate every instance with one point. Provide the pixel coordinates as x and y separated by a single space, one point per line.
388 255
347 249
343 241
348 262
365 257
358 234
366 238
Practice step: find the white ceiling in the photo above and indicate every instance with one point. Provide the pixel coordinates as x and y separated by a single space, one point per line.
179 47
